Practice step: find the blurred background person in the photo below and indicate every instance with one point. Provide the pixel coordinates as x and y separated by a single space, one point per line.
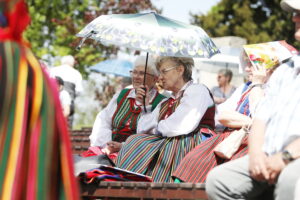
64 97
72 80
224 90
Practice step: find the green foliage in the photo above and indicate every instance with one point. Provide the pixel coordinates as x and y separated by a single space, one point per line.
255 20
54 24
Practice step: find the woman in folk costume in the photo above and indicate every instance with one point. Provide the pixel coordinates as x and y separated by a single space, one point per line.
174 128
259 61
115 123
35 150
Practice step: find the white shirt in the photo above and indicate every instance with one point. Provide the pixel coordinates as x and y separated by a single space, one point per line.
69 74
280 108
65 98
232 102
185 119
102 129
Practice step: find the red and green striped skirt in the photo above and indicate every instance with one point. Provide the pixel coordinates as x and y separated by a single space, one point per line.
154 155
197 163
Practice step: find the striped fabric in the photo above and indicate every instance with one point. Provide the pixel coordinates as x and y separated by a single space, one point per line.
35 150
197 163
124 120
108 173
154 155
167 108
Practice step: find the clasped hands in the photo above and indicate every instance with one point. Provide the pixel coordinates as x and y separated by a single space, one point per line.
112 147
265 168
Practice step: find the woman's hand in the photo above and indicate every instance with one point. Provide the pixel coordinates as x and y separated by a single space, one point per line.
140 92
259 74
259 77
233 119
113 147
258 166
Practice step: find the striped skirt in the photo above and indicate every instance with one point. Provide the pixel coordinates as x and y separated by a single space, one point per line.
154 155
197 163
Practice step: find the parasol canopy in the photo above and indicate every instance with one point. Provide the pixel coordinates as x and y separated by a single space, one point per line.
152 33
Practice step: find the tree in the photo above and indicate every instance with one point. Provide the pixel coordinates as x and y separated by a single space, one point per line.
56 22
255 20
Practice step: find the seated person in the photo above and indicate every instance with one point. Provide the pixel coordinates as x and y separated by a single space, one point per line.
115 123
224 89
234 113
271 170
174 128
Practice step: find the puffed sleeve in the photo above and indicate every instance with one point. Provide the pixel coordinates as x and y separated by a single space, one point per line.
187 116
149 120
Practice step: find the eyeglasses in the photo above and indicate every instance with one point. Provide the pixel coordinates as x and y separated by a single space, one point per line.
139 73
164 71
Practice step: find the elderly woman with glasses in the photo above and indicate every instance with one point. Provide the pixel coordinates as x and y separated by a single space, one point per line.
115 123
174 128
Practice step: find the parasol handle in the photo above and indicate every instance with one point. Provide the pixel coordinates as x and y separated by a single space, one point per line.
84 38
144 98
